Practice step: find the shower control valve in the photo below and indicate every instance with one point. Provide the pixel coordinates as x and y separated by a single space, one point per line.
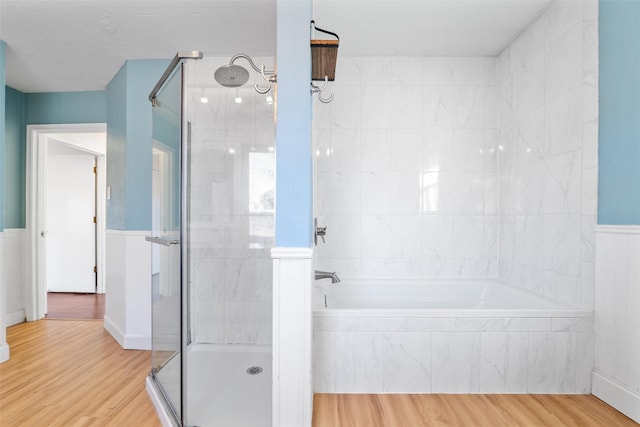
321 232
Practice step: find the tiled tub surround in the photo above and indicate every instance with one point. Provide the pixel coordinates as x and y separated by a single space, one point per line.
546 348
548 157
425 166
406 168
231 208
441 167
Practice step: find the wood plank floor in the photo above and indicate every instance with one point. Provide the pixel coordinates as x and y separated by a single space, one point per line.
72 373
67 305
468 410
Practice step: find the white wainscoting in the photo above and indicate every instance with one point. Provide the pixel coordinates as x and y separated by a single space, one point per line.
12 274
616 377
128 282
292 334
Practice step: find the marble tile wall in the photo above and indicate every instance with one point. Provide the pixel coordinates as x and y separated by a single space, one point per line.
426 166
453 355
406 168
231 208
548 121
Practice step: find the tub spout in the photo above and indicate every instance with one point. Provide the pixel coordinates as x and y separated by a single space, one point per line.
327 275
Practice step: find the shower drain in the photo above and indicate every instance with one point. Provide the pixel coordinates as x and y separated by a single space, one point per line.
254 370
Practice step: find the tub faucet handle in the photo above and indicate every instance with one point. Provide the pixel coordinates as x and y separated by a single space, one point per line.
321 232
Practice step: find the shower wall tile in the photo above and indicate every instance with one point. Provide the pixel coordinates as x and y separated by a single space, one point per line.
239 322
208 321
416 151
548 121
263 323
375 71
406 71
230 270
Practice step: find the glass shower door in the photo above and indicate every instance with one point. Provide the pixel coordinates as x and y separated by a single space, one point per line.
166 306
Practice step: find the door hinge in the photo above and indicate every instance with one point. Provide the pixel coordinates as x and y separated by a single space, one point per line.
95 220
95 169
95 269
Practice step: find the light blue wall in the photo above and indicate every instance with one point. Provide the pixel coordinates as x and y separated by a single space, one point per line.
3 79
66 107
117 149
294 184
619 126
37 108
129 144
14 159
142 76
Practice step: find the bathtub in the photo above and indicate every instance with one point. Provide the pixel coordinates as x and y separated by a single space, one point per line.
448 336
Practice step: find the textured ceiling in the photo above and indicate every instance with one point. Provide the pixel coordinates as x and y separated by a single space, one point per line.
73 45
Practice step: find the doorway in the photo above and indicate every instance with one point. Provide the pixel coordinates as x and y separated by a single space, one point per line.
66 189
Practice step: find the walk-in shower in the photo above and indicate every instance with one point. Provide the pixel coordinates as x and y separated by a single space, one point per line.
213 208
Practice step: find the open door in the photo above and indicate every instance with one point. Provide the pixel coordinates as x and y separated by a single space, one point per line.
70 220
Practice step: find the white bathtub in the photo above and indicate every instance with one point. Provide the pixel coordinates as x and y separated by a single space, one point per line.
447 336
436 298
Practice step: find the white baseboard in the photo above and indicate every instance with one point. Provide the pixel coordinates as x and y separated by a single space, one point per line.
15 318
127 341
137 342
114 330
156 399
616 394
4 352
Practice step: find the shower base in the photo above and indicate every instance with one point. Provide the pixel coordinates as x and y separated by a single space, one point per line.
223 386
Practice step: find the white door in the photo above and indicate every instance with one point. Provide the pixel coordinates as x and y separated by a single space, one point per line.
70 208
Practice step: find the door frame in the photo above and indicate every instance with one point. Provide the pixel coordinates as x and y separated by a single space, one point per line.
36 153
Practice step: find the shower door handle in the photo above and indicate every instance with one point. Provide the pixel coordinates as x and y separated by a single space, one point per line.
164 241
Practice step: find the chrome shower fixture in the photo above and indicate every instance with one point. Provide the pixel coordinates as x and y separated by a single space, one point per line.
231 75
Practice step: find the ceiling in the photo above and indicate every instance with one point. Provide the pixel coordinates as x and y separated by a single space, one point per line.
72 45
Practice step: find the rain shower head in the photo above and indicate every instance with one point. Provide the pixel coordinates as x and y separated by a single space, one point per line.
231 75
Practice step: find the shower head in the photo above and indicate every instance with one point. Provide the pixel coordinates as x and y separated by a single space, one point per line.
231 75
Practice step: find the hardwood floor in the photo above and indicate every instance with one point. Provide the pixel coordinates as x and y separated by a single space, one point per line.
66 305
468 410
72 373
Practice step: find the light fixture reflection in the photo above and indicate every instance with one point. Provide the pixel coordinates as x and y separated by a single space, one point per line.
204 100
430 192
238 100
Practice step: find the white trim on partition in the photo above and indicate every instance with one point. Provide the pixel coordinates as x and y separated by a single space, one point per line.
618 229
291 253
292 336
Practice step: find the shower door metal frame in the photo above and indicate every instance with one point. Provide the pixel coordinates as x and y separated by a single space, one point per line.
178 61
